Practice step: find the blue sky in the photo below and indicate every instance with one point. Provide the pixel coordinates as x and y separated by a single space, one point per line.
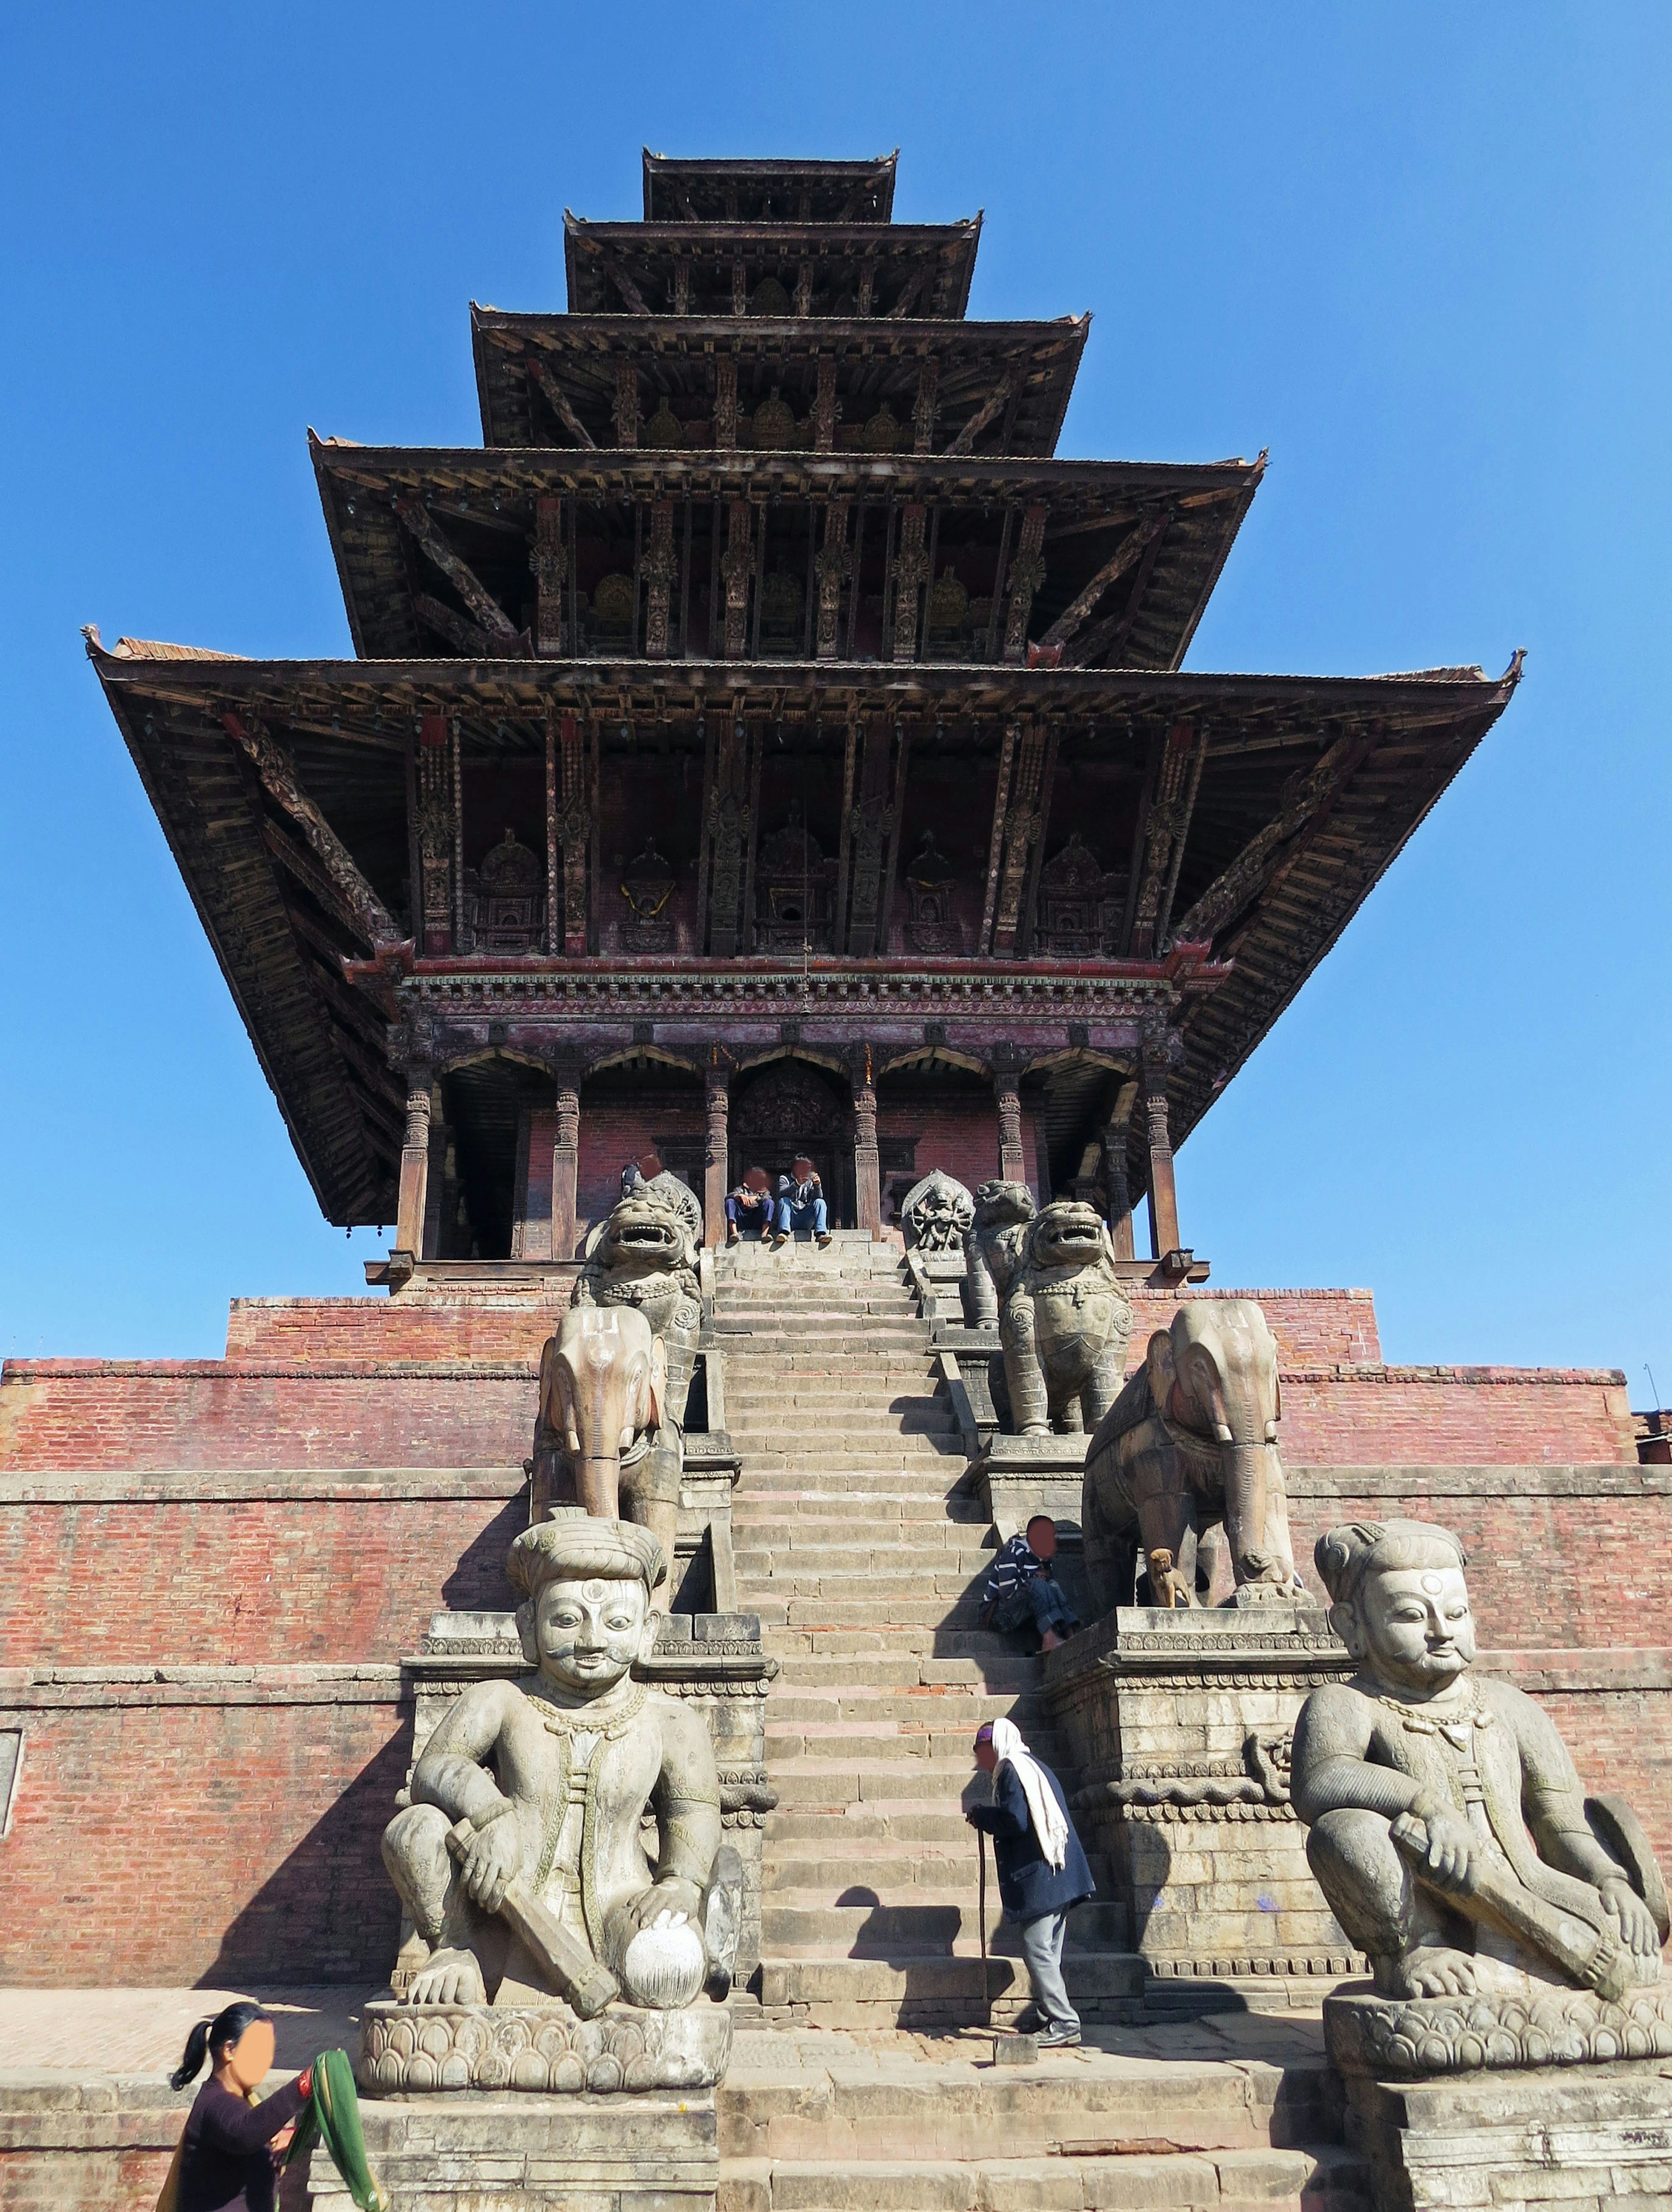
1419 252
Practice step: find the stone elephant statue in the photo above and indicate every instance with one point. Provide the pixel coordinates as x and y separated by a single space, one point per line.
1189 1444
614 1378
603 1382
1064 1319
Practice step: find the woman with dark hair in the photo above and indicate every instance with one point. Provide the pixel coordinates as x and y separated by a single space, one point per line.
226 2158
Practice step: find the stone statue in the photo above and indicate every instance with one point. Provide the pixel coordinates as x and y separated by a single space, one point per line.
1447 1827
611 1421
936 1213
993 1246
1191 1443
1063 1318
519 1858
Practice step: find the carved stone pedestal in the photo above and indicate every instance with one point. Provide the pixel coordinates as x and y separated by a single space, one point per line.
1179 1725
508 2152
1524 2094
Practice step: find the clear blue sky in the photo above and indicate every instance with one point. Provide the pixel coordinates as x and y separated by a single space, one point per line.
1420 251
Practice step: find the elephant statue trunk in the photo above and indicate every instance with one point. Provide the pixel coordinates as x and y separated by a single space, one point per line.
1246 1512
602 1384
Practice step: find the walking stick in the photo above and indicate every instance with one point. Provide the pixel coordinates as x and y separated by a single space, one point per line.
981 1858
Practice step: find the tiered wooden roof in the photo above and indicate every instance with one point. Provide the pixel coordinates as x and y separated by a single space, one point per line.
766 481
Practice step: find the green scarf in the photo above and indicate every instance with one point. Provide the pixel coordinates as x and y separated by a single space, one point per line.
333 2115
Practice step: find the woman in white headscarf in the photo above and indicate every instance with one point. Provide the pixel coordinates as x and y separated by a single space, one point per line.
1042 1871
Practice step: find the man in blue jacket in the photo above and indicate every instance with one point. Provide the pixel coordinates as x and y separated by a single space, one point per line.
1042 1871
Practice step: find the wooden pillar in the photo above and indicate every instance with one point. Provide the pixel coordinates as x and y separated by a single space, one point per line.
566 1166
716 1157
1117 1193
1163 1195
867 1172
1012 1167
415 1166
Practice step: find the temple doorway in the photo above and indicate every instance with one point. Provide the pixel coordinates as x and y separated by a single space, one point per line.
790 1107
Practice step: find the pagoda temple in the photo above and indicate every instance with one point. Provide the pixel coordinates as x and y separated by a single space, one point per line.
763 744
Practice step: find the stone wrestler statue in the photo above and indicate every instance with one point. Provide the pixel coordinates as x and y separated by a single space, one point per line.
519 1856
1446 1821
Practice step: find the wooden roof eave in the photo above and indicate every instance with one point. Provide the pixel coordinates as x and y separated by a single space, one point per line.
332 1181
1217 570
1414 699
317 450
1217 1044
879 172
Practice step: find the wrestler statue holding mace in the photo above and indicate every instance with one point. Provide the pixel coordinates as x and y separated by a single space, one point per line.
519 1856
1447 1824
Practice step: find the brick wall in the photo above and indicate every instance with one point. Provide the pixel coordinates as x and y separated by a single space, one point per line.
208 1413
959 1136
111 1571
216 1832
1309 1326
1374 1416
1561 1557
612 1134
510 1325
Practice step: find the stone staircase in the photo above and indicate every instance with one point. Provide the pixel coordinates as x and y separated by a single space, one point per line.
865 1559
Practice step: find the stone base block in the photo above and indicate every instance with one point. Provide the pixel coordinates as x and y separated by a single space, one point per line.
406 2049
474 2153
1515 2023
1592 2139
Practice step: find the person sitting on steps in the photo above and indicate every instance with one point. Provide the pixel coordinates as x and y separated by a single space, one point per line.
801 1204
1042 1871
1021 1588
749 1206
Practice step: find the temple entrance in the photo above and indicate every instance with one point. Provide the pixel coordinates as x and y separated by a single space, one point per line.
790 1107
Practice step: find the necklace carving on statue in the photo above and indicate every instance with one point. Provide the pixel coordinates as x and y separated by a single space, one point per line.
586 1720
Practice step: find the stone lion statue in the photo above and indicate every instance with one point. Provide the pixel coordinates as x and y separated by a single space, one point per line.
1063 1318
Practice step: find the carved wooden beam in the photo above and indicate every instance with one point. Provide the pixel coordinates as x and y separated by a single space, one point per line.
832 568
924 411
725 401
1028 573
995 847
463 578
1270 853
995 399
659 574
896 818
737 565
458 630
824 407
626 406
625 285
908 298
275 765
1109 636
1166 814
1180 835
1030 901
549 561
911 566
1131 549
1021 835
557 400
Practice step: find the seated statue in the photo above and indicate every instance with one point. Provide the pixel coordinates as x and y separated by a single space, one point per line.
1447 1827
519 1858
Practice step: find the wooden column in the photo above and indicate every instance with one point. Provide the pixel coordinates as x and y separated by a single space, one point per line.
1117 1193
866 1175
1012 1167
716 1157
566 1166
415 1166
1163 1195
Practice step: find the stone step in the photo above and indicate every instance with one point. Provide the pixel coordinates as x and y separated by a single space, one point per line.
876 1827
897 1583
769 1405
858 1992
1321 2178
923 1922
833 1785
1067 2104
789 1744
785 1641
930 1546
883 1705
994 1673
760 1503
897 1869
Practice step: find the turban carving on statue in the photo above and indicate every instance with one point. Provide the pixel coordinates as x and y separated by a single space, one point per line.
1344 1556
575 1546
